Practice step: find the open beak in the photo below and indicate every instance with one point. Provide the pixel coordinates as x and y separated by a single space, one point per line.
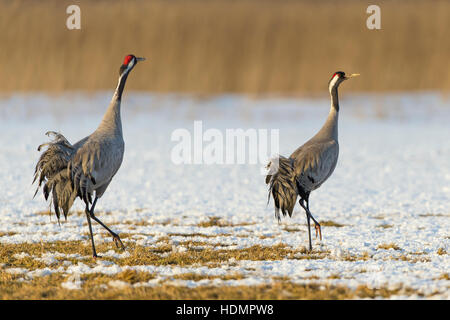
140 59
352 76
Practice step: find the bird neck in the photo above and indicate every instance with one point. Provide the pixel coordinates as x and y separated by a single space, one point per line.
333 115
330 128
120 86
334 98
112 121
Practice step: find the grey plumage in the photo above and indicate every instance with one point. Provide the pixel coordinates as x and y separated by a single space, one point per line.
51 169
282 185
67 171
308 167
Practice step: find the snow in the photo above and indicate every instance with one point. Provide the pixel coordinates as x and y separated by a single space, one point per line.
393 171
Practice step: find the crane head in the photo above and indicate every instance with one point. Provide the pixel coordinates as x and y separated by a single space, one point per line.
128 63
338 77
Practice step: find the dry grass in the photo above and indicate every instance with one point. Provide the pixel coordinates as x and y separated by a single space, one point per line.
140 255
385 226
166 251
214 46
387 246
188 235
99 286
198 277
9 233
444 276
95 286
433 215
350 257
329 223
292 229
325 223
220 222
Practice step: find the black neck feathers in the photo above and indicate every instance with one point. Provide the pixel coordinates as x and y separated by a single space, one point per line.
121 86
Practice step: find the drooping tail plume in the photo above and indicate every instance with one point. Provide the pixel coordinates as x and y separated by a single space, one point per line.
282 185
51 171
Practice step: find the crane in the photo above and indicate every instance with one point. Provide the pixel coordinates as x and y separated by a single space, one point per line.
309 166
69 171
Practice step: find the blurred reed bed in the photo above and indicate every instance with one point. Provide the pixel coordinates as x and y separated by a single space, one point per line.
221 46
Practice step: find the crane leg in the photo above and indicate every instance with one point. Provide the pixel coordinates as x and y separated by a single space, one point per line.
115 236
308 220
309 232
94 253
316 224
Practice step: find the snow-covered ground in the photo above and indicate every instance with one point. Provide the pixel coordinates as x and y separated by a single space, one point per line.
391 185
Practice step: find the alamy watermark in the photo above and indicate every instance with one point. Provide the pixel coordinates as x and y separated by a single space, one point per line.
73 21
374 20
229 146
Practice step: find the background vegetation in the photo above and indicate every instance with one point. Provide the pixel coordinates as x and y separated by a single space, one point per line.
217 46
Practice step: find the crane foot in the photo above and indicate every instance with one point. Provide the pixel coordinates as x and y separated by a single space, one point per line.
118 242
318 231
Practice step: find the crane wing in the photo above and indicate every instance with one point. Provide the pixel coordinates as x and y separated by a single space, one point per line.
314 162
94 164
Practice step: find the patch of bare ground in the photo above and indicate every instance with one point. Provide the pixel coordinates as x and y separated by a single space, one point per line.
96 286
23 255
352 257
8 233
162 254
411 259
385 226
220 222
208 256
444 276
330 223
144 223
198 277
262 237
387 246
434 215
292 229
199 235
325 223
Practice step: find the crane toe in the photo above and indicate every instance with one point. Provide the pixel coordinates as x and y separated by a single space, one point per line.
118 242
318 231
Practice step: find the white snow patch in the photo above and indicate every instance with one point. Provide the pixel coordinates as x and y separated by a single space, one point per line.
390 186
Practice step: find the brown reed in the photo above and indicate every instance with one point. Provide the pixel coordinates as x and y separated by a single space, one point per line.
217 46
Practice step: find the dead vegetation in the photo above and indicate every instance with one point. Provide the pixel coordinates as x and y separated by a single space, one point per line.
180 250
387 246
385 226
220 46
98 286
220 222
330 223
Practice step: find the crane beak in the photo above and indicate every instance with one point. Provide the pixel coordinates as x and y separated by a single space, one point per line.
352 76
140 58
